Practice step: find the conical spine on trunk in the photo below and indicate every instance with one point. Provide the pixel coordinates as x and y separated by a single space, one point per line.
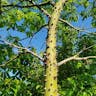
51 88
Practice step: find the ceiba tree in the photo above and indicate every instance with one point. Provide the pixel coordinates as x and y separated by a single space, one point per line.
51 88
50 61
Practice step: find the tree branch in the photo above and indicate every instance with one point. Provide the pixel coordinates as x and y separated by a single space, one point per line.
84 58
9 61
76 57
23 48
27 6
65 60
84 49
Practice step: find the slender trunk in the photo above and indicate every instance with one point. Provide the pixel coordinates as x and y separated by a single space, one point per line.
51 88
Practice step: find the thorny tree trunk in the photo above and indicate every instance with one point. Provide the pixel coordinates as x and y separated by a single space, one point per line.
51 88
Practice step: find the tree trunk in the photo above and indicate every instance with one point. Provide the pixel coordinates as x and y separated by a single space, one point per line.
51 88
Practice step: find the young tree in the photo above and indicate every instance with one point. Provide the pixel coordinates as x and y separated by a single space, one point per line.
18 69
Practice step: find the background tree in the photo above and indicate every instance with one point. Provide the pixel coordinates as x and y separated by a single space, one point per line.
21 69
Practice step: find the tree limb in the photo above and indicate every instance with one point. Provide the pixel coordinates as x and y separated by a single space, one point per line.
9 61
84 58
66 60
26 6
23 48
84 49
76 57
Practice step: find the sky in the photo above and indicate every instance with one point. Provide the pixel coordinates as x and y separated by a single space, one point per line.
38 41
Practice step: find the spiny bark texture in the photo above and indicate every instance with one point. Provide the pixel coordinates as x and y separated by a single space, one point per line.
51 88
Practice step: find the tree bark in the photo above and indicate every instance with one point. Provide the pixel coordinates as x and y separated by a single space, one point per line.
51 88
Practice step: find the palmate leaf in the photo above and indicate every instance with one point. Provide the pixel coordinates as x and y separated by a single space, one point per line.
18 20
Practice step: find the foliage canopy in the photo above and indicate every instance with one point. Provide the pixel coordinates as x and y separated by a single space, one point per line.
22 74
